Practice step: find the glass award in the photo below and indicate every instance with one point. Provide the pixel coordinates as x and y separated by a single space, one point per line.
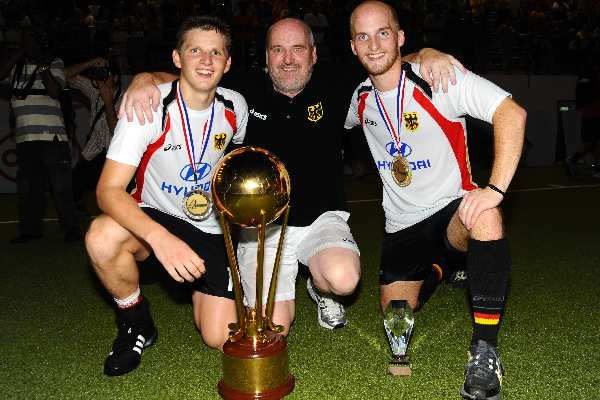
398 322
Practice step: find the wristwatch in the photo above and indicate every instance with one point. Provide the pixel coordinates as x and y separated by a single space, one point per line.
44 68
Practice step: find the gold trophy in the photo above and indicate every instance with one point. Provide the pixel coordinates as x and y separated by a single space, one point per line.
251 188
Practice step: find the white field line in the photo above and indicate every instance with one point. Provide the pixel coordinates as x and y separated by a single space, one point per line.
536 189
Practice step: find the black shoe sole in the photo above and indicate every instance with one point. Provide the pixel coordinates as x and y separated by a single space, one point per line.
468 396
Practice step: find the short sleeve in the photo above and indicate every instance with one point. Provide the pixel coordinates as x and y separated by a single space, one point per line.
241 111
352 119
473 95
131 139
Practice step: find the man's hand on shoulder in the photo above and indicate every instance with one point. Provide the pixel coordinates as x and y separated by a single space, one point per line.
180 261
438 68
142 97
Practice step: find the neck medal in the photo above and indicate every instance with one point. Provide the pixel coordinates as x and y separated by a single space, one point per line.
197 204
401 171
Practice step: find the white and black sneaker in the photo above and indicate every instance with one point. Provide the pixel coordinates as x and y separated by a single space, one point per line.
330 313
458 279
483 373
136 332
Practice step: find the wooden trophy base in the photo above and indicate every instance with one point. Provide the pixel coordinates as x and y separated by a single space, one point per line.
400 367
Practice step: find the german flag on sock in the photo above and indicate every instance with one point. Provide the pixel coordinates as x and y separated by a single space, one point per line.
486 319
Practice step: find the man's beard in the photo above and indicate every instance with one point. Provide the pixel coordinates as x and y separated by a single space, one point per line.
290 85
380 67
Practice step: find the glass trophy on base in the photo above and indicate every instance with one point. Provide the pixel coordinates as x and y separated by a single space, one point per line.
398 322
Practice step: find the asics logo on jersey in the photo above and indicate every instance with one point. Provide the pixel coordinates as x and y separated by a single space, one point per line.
370 122
202 171
405 150
257 114
172 147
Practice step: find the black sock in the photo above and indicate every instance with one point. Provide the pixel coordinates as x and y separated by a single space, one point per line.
488 266
138 315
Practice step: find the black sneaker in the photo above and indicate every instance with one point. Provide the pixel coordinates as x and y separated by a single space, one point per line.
483 373
458 279
136 332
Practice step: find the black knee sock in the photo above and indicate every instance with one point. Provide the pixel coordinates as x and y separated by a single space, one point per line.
488 266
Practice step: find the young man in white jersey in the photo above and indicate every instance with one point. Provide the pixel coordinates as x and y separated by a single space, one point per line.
168 218
418 141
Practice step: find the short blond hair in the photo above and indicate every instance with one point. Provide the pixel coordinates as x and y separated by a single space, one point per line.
391 10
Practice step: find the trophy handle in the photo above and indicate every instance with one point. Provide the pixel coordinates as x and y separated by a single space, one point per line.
273 285
260 260
235 277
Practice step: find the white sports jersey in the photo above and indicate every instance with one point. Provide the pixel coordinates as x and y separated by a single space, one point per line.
163 155
432 139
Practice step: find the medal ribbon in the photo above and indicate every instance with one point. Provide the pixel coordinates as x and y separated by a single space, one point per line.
188 132
399 110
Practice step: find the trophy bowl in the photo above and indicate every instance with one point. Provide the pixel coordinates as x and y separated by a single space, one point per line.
248 182
251 188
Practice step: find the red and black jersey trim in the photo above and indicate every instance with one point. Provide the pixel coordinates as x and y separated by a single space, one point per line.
417 80
141 171
171 96
362 94
229 111
228 104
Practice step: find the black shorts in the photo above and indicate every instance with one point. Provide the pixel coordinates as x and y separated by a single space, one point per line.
211 248
407 255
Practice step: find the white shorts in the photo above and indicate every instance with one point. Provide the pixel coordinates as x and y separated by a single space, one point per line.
329 230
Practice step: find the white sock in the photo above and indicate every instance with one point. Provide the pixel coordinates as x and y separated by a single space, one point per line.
130 300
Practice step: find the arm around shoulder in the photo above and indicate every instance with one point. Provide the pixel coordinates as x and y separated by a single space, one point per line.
143 96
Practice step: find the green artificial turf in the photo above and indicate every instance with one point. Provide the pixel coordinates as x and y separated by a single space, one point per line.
56 324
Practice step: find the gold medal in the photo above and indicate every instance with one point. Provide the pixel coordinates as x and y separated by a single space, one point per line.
401 171
197 205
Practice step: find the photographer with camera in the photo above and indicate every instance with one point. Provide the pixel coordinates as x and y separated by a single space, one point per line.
36 79
100 82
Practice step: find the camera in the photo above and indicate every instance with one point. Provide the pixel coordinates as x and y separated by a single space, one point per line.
98 73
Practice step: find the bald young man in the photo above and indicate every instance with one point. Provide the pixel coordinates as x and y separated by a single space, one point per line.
418 140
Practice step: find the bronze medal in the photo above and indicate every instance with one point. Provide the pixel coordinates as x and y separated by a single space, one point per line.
401 171
197 205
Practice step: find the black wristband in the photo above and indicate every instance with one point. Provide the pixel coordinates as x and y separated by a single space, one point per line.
495 189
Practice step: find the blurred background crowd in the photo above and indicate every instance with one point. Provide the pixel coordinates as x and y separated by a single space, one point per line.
530 36
61 63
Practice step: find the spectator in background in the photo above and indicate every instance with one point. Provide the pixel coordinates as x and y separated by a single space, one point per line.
244 29
100 83
588 104
316 19
36 82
